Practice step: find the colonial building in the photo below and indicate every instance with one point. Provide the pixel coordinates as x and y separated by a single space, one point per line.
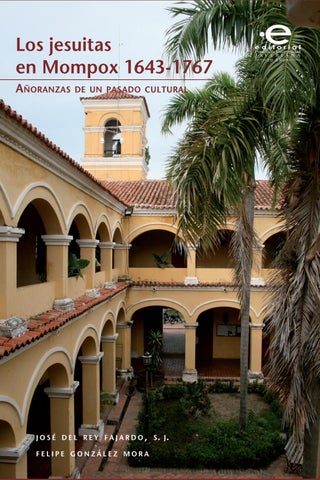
68 328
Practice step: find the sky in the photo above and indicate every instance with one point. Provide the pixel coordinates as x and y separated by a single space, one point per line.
34 53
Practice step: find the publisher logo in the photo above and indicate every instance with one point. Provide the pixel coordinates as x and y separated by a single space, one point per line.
276 34
277 39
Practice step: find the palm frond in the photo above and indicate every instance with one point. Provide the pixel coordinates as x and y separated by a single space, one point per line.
295 349
213 23
191 104
288 79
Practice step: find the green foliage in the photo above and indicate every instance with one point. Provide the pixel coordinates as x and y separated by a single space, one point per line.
155 341
218 386
193 398
156 422
173 392
162 260
279 119
181 440
75 265
197 400
270 396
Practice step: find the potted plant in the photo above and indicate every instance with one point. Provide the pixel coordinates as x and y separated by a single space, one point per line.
75 265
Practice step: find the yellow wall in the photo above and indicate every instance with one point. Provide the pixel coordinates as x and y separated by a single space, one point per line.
61 193
132 117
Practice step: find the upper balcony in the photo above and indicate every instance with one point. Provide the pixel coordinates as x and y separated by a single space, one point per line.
154 257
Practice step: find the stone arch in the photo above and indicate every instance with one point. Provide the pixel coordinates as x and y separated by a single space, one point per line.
220 257
38 218
31 249
218 333
272 247
58 363
11 420
9 447
86 374
80 229
102 236
117 236
121 315
119 252
51 378
156 247
87 341
2 220
103 228
108 325
48 205
232 303
123 341
108 362
81 215
5 206
169 227
160 302
148 320
7 435
279 227
61 376
105 117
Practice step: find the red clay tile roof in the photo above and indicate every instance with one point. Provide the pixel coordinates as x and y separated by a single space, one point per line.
264 196
116 95
47 322
168 285
157 194
153 194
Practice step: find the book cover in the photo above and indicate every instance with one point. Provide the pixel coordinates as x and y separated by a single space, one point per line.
92 286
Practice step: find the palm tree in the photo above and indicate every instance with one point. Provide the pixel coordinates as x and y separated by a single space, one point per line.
288 85
213 172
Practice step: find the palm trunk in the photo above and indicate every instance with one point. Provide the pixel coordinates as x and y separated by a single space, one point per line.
244 241
311 454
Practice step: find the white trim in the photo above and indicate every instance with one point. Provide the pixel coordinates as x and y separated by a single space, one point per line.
14 405
107 245
87 243
61 240
34 148
118 104
109 338
122 128
62 392
114 161
91 359
154 212
14 454
122 246
11 234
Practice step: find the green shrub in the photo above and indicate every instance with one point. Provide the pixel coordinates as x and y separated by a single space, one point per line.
268 395
196 441
173 392
218 386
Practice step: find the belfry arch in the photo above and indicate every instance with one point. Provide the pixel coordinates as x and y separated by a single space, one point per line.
112 138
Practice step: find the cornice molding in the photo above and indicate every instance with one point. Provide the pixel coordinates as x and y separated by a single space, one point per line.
116 104
37 150
122 128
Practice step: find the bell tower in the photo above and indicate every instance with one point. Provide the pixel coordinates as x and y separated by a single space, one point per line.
115 136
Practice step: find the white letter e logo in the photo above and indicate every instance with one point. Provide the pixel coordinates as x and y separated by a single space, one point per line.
277 31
